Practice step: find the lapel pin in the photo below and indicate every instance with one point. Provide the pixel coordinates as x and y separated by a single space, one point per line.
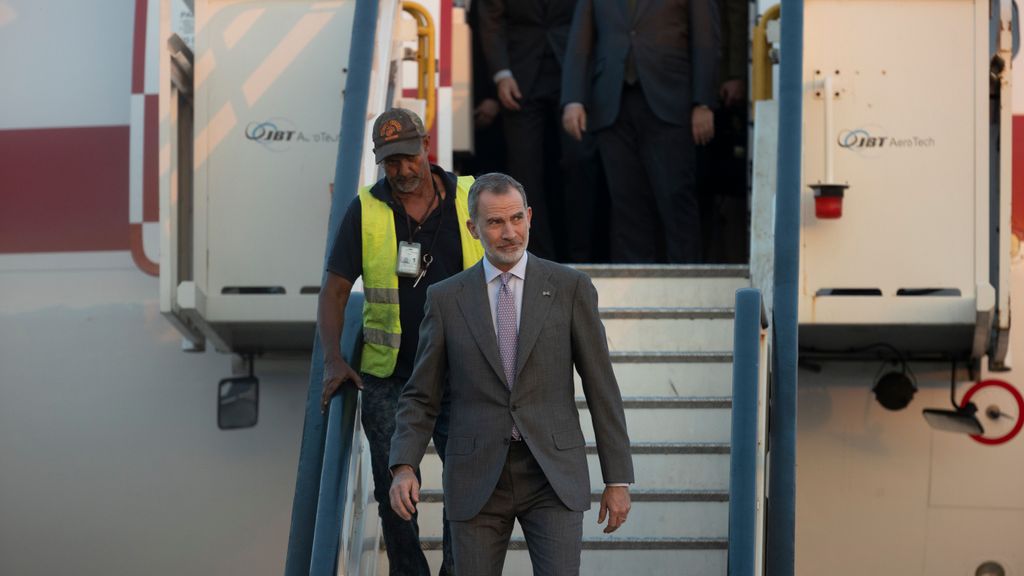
546 293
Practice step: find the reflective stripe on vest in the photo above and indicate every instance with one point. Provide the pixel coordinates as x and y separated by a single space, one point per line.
382 324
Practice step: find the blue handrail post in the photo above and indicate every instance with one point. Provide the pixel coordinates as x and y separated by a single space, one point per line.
746 371
781 523
346 183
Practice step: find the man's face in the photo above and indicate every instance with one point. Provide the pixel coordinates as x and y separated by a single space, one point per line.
502 225
405 173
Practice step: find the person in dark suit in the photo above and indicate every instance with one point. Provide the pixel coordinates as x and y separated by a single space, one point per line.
641 75
509 332
524 43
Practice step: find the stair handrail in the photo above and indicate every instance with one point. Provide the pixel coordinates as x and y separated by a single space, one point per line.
307 514
750 368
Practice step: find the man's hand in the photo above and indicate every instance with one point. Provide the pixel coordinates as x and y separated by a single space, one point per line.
336 373
574 120
485 112
703 120
614 505
732 92
508 93
405 491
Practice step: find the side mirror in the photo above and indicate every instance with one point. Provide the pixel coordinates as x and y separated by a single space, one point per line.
962 420
238 401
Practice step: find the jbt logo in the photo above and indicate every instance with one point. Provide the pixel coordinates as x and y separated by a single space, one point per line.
860 138
268 132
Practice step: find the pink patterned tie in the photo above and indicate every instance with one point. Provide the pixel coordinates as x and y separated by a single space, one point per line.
508 335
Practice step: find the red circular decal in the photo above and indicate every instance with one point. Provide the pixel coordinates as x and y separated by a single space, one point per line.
1020 410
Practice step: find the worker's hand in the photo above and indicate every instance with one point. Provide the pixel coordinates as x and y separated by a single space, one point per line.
405 491
508 93
574 120
614 505
485 112
732 92
703 120
336 373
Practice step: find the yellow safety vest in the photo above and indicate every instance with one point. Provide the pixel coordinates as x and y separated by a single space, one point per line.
382 325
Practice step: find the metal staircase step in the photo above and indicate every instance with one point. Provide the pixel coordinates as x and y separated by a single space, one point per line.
646 495
657 357
667 402
693 471
668 379
617 543
656 448
634 271
667 285
666 313
689 332
616 562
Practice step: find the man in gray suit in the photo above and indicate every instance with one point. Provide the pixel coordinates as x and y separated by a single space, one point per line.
515 446
641 75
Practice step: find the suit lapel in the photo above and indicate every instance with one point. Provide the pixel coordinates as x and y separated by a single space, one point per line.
476 308
538 294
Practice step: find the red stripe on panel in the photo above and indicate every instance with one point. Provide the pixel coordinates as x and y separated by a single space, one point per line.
138 252
446 42
1017 218
64 189
151 160
139 47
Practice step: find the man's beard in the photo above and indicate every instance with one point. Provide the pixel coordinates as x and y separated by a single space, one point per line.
406 185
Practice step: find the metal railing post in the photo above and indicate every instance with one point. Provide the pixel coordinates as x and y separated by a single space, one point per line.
781 532
746 377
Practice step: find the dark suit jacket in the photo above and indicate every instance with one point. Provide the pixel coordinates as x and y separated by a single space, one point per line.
560 328
515 33
675 45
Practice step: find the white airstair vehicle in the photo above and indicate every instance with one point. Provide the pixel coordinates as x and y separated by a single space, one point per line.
903 239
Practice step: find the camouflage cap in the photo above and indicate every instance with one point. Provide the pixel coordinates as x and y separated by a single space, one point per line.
397 131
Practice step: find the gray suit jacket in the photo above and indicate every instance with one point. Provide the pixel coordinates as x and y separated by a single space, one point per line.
559 328
676 49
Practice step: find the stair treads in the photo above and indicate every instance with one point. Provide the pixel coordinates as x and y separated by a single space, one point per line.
665 270
669 357
634 495
666 313
667 402
656 448
613 543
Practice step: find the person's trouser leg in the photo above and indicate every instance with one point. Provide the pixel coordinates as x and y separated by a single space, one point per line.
586 200
524 138
635 225
401 538
481 542
554 533
667 153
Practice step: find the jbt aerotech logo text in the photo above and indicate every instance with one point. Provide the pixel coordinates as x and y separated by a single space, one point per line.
279 134
860 139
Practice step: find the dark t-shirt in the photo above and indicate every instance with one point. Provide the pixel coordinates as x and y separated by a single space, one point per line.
438 237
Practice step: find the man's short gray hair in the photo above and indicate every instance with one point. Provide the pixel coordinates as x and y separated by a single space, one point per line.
496 183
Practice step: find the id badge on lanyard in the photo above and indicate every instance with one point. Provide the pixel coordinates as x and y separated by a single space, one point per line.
409 259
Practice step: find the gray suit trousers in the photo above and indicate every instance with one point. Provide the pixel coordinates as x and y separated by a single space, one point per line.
553 532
